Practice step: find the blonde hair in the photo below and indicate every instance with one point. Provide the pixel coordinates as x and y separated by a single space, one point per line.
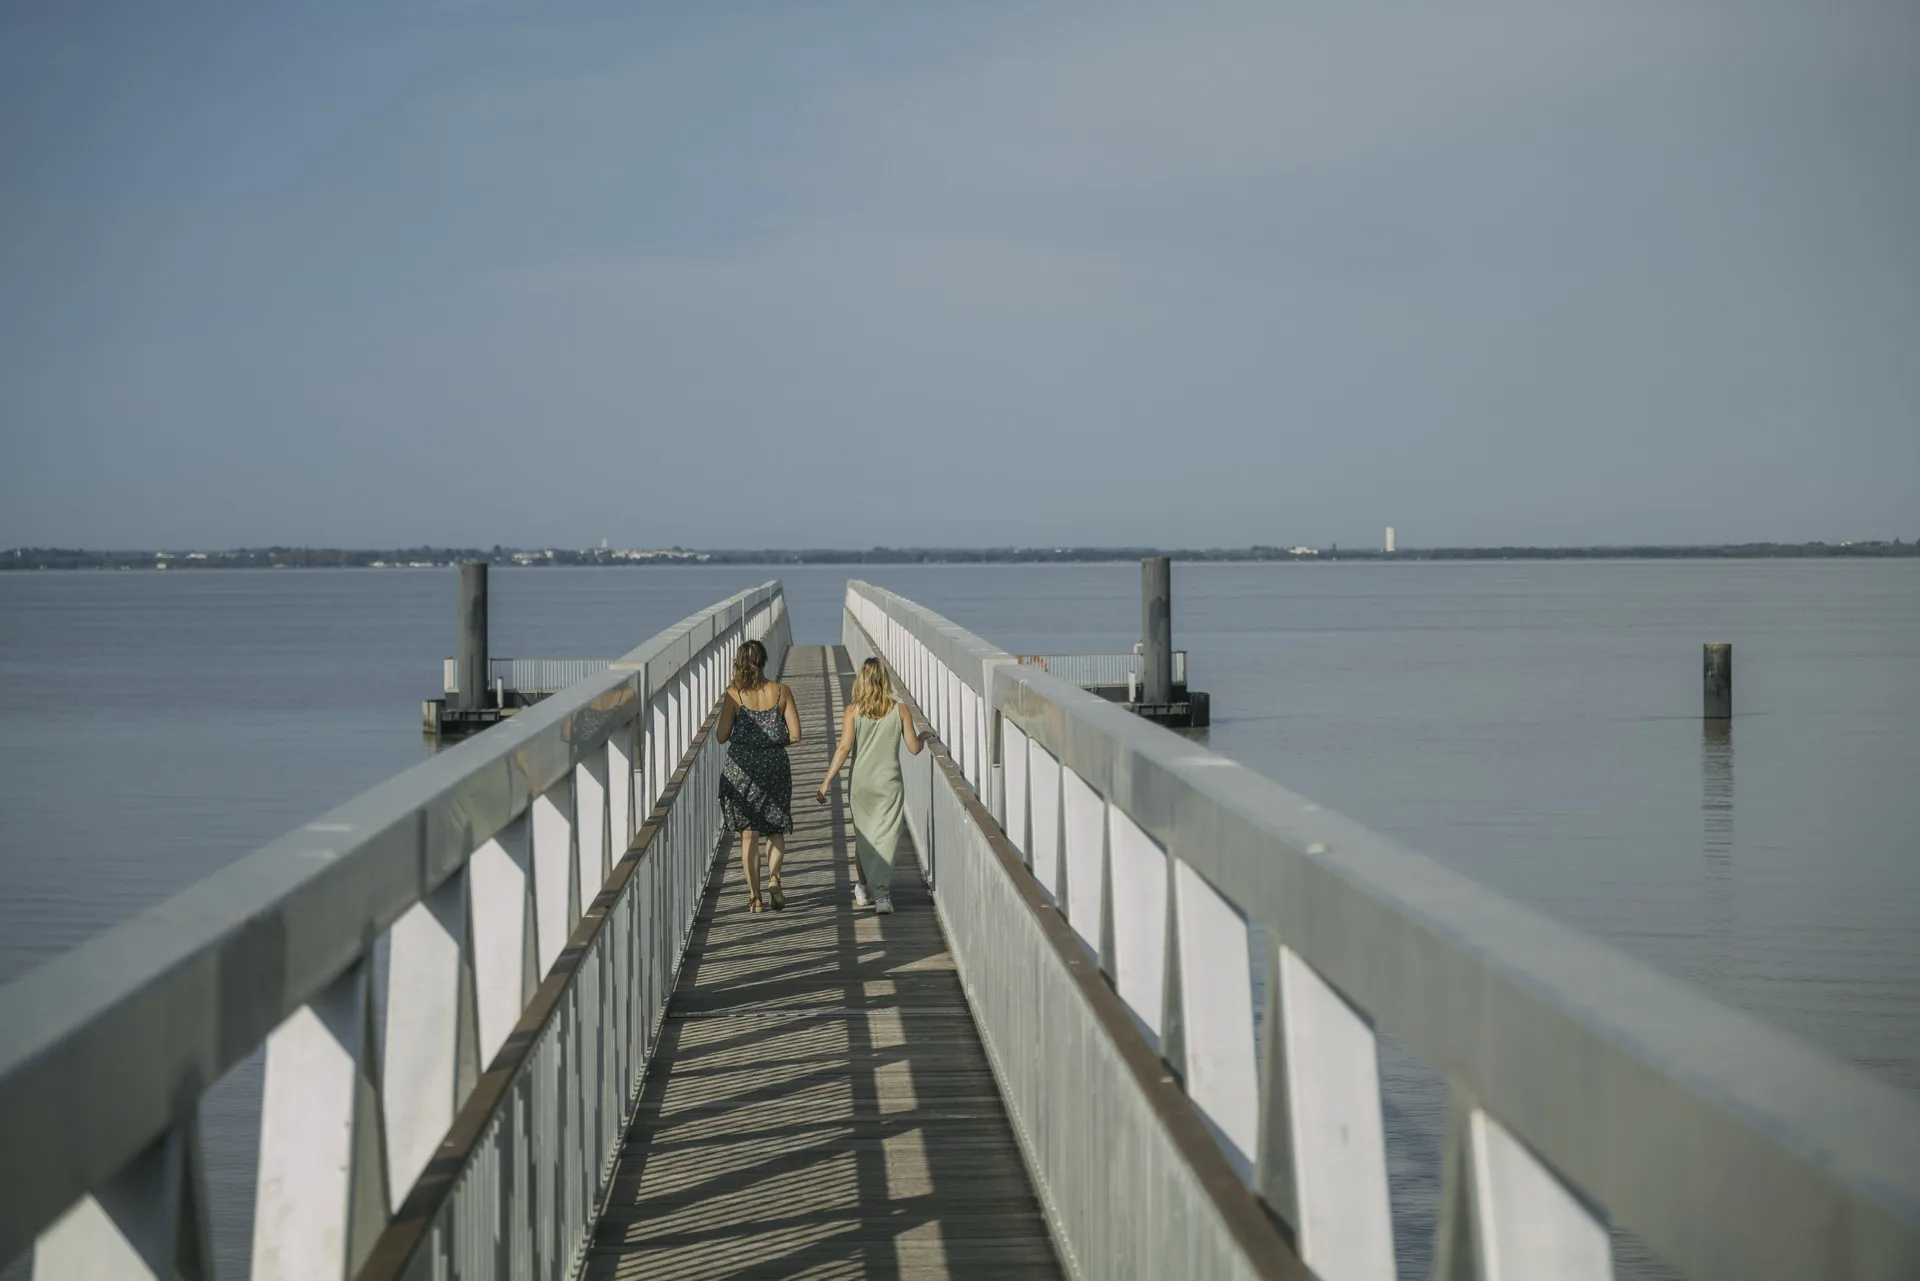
749 662
871 693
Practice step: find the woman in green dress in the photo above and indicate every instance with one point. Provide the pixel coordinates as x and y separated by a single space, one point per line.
872 730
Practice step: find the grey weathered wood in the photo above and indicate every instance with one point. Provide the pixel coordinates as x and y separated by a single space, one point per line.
1156 630
1717 679
473 635
820 1104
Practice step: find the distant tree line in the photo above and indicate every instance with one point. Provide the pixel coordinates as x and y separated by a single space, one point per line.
241 558
1044 555
22 558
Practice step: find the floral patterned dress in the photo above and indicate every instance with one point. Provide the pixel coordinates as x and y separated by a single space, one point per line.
756 783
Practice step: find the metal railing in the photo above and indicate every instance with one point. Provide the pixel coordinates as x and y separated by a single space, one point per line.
1104 670
1585 1090
528 675
533 890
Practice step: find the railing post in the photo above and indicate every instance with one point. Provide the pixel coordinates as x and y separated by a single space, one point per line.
1013 790
430 1055
149 1222
657 766
1043 825
555 907
322 1193
590 826
1216 1013
1084 827
1139 888
1504 1215
500 902
1322 1160
619 766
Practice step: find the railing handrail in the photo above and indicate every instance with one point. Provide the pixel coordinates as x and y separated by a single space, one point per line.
1048 654
200 980
535 675
1093 668
1733 1149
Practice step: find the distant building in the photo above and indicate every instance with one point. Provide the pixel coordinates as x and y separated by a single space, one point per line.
671 554
1389 539
1303 551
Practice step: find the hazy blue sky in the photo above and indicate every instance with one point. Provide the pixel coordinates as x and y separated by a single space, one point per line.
786 274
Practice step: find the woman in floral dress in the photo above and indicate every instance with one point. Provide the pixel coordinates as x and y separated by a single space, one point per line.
758 723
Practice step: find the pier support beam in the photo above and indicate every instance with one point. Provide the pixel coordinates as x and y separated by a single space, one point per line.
1156 630
1717 675
473 636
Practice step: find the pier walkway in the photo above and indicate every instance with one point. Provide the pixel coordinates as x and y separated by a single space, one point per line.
819 1104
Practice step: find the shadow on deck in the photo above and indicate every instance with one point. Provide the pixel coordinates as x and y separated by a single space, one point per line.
820 1104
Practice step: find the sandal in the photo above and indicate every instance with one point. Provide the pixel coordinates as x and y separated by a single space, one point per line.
773 893
754 904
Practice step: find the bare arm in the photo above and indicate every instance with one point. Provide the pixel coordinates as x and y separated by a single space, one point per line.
840 753
915 741
729 708
792 712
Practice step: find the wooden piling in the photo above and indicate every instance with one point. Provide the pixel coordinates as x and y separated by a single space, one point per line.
1156 630
1717 675
473 636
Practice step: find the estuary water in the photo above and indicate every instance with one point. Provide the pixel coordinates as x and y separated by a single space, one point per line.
1534 725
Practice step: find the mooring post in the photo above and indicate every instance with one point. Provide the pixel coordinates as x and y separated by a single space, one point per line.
1717 671
1156 630
473 635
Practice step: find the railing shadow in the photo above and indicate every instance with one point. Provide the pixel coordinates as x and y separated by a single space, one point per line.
820 1103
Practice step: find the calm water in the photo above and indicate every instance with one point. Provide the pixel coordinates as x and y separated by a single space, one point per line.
1533 725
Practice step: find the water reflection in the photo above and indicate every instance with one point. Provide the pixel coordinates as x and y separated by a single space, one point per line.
1716 836
1716 794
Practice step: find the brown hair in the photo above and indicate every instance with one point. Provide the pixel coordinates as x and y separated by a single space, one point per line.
871 693
749 663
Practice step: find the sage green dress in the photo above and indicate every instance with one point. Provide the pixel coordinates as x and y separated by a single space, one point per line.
878 796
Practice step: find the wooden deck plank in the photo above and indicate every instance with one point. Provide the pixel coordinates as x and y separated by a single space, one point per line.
820 1105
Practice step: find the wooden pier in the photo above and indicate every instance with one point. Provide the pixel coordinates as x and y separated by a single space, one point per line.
820 1104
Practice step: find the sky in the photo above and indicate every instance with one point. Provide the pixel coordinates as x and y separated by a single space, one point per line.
775 275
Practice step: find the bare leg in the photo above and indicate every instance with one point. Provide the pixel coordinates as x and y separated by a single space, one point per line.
750 866
776 850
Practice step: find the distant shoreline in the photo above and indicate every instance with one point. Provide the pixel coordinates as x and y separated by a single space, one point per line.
45 558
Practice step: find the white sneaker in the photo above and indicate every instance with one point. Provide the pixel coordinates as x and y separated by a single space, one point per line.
860 897
883 905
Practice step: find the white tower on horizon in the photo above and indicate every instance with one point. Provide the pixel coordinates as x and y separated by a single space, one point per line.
1389 539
